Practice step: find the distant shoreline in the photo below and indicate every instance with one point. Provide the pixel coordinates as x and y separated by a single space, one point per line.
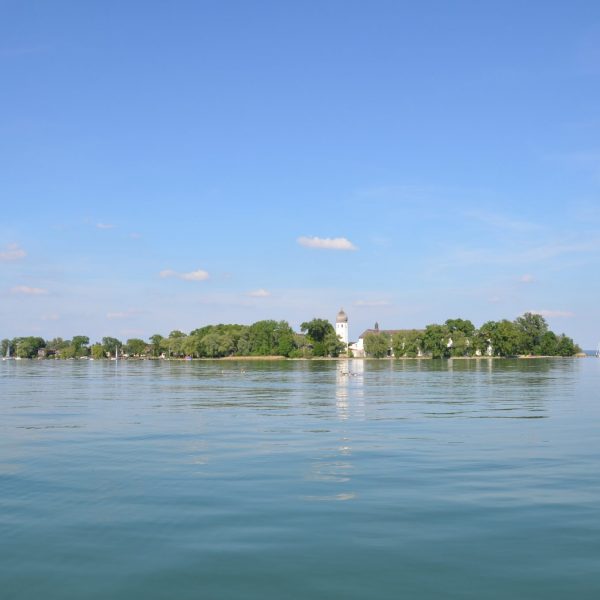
311 359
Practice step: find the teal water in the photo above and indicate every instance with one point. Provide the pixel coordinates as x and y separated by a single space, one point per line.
416 479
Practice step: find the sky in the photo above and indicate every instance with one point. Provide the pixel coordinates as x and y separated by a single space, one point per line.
167 165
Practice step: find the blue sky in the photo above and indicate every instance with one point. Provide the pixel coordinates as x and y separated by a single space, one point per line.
171 164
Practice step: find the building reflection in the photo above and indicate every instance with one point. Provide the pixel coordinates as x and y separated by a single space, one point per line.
349 379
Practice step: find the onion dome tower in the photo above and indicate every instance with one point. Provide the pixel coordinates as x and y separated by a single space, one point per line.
341 326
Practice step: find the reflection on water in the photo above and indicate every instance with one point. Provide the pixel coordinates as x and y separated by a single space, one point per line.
302 479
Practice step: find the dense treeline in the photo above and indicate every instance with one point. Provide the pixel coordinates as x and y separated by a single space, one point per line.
526 335
264 338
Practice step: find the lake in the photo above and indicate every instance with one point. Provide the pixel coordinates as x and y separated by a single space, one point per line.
300 479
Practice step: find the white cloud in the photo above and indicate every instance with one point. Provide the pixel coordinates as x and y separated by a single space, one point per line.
340 243
198 275
30 291
50 317
526 278
104 225
116 315
135 236
261 293
371 303
553 313
12 252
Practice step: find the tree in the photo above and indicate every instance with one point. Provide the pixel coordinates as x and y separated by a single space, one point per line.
333 345
79 343
464 326
317 329
67 351
507 339
215 345
461 344
407 343
97 352
175 343
566 347
377 345
135 347
28 347
110 345
317 332
156 344
532 328
265 338
549 344
435 341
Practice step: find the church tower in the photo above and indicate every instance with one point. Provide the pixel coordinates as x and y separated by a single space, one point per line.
341 326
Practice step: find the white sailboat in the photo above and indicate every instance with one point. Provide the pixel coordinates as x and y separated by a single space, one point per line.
8 356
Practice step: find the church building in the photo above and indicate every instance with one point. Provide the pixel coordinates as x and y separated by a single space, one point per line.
358 348
341 326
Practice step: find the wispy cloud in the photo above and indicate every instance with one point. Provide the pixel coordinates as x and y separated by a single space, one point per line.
50 317
29 291
502 221
553 313
462 257
105 226
12 252
135 236
122 314
199 275
372 303
340 243
117 315
261 293
526 278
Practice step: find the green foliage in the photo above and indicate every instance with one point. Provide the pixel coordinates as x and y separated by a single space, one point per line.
566 347
532 328
80 345
156 344
435 341
456 337
97 352
332 345
135 347
110 345
465 327
507 339
461 344
317 329
321 335
377 345
28 347
407 343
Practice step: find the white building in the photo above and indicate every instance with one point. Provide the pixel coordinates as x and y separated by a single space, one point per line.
341 326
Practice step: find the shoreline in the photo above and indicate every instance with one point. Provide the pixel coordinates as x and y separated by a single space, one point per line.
311 359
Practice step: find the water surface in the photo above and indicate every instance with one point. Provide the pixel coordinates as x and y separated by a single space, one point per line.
323 479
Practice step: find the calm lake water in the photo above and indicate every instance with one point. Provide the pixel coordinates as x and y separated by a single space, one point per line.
272 480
